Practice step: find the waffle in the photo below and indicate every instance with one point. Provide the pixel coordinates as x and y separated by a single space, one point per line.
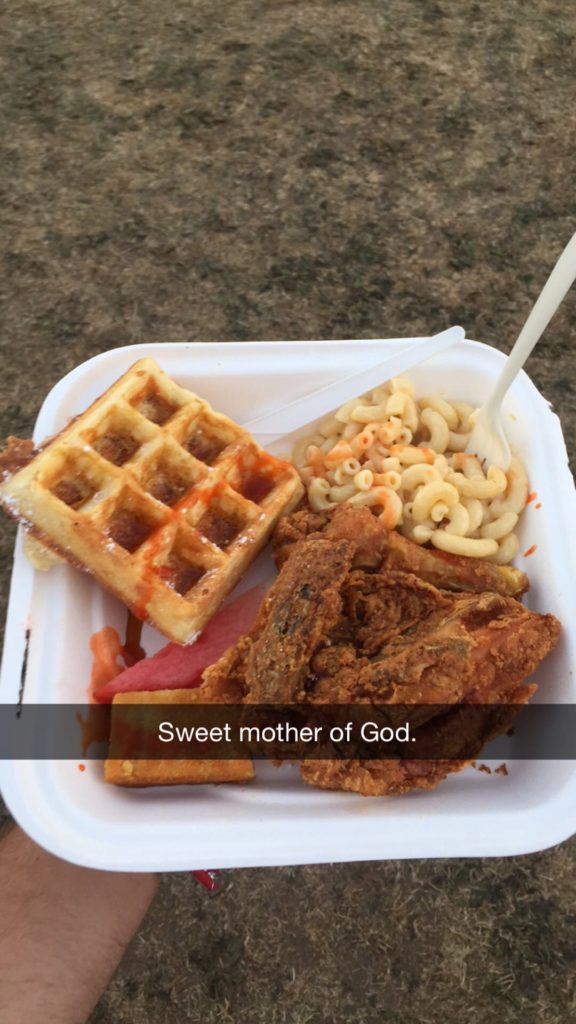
165 501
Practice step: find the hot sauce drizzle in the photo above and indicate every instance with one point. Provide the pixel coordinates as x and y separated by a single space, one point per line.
106 648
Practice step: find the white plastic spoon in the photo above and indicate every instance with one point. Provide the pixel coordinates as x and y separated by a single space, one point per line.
488 440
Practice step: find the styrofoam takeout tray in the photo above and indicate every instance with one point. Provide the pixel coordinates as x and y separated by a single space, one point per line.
276 819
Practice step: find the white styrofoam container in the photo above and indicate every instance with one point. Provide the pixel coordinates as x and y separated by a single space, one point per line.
276 819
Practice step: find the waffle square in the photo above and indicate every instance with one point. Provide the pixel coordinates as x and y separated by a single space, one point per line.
165 501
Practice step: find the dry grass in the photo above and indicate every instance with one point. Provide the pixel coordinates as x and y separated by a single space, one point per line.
360 943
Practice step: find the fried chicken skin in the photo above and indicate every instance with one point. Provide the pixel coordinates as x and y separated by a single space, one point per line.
459 734
452 572
377 547
304 604
439 635
416 644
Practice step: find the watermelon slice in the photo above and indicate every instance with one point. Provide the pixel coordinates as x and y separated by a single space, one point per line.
176 667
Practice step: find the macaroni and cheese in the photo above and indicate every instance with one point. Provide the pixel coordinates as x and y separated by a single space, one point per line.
406 457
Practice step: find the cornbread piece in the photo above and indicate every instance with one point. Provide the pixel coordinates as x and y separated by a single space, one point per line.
163 500
163 771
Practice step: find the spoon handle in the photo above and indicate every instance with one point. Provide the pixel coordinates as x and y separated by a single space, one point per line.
556 287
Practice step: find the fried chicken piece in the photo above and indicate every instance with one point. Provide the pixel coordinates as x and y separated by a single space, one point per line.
469 651
225 679
378 778
459 736
345 522
329 633
447 744
381 606
452 572
441 649
377 547
301 607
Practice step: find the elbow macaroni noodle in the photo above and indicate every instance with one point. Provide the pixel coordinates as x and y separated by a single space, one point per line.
405 457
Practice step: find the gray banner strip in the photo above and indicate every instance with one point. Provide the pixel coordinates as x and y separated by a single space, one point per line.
298 732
